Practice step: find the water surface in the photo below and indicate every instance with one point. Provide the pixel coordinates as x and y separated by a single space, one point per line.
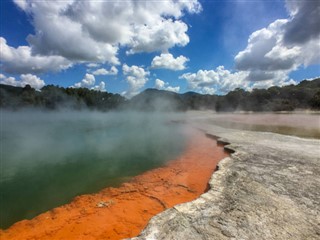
49 158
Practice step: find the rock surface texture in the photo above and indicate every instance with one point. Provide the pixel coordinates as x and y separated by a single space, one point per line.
268 189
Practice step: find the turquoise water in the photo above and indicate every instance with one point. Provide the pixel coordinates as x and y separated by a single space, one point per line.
49 158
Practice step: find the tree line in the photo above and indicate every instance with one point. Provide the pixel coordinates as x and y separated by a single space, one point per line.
305 95
54 97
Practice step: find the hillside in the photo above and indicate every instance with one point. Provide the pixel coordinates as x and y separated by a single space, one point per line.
55 97
305 95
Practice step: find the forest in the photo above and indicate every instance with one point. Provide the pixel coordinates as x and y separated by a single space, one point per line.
305 95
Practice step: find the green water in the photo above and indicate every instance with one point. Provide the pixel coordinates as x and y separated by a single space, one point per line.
49 158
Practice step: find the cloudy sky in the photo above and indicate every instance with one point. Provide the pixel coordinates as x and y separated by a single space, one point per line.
127 46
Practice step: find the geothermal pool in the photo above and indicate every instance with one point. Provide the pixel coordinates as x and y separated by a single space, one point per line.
49 158
122 212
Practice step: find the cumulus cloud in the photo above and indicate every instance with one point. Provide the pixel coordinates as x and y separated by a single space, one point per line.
56 33
93 31
275 51
278 81
93 65
222 81
265 51
21 60
219 80
136 77
304 23
88 82
167 61
161 85
163 35
101 87
25 79
23 4
102 71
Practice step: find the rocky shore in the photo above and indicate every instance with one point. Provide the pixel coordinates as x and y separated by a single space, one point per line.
267 189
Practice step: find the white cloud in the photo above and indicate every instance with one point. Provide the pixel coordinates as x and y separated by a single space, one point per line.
102 71
172 89
32 80
25 79
274 82
136 77
275 51
208 90
93 31
86 82
222 81
265 51
21 4
101 87
56 33
167 61
21 60
93 65
161 85
219 80
161 36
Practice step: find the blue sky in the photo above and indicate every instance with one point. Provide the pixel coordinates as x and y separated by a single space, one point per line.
127 46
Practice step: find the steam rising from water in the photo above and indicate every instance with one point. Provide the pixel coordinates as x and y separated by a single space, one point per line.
48 158
302 124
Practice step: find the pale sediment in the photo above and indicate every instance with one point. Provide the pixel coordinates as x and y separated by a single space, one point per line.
267 189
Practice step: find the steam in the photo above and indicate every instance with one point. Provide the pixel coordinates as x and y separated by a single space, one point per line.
50 157
299 123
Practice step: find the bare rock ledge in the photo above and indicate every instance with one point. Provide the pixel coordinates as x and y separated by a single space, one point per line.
268 189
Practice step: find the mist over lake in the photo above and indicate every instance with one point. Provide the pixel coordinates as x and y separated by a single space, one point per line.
48 158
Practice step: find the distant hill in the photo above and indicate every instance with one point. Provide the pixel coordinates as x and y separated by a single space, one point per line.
157 100
305 95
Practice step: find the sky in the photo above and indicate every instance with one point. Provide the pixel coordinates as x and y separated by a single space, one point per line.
126 46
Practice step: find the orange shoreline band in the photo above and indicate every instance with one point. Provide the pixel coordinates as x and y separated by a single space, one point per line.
116 213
